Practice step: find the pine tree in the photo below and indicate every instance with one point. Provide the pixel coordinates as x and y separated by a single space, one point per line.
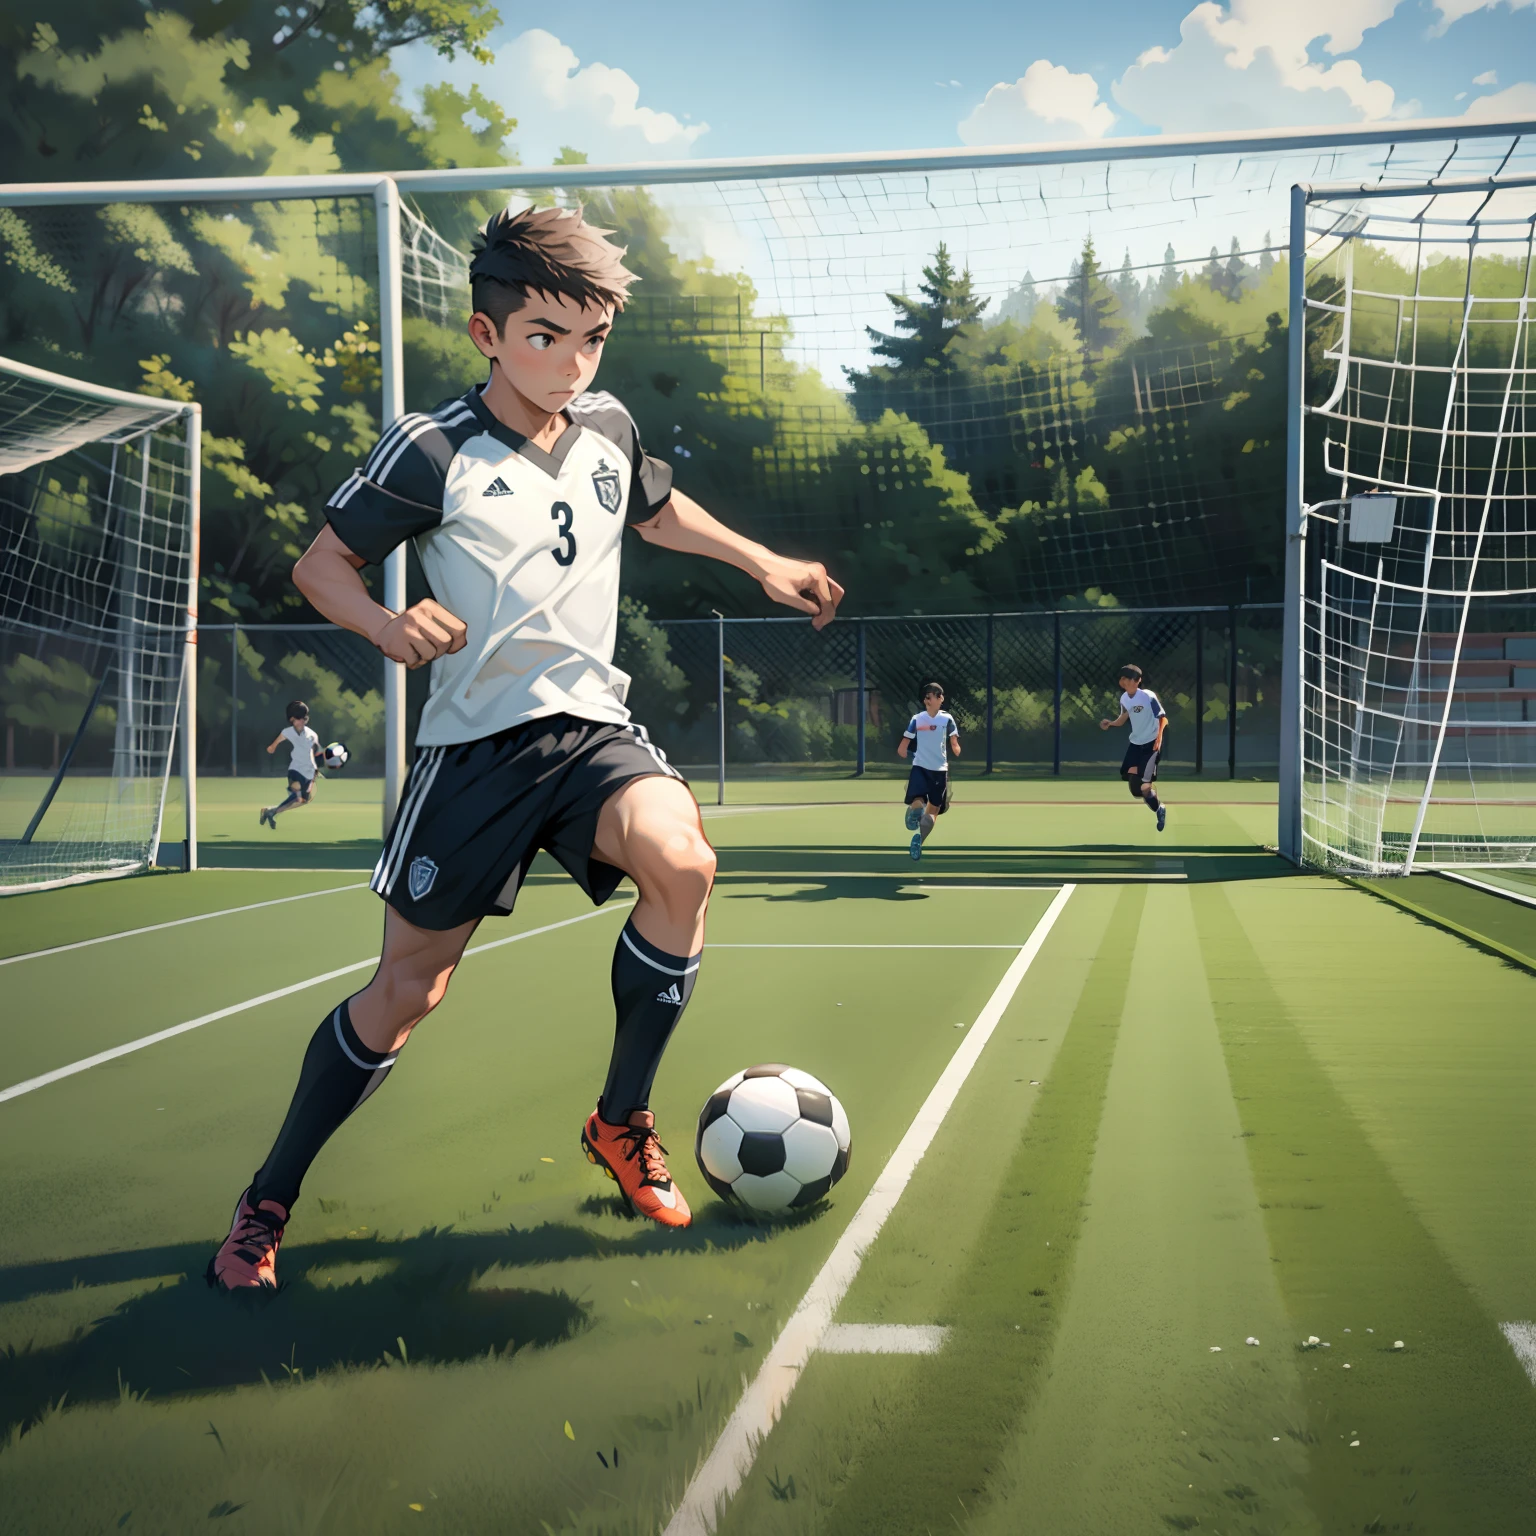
1237 273
1129 294
932 324
1090 303
1020 303
1267 255
1215 278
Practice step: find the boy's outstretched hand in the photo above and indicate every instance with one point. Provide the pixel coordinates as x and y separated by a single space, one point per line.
803 585
425 631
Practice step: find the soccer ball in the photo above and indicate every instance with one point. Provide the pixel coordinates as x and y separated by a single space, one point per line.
772 1138
334 756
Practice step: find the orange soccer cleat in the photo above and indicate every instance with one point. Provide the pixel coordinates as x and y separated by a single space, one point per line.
247 1258
632 1157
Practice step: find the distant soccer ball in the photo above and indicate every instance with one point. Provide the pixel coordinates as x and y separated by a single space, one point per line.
334 756
772 1138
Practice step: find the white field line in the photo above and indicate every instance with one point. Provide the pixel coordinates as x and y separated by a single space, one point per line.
729 1461
883 1339
1522 1339
178 922
32 1084
1493 890
861 946
810 876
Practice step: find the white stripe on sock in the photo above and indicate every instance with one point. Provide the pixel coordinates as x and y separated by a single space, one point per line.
656 965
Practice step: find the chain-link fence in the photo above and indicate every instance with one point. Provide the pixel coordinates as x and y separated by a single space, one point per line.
247 675
1027 689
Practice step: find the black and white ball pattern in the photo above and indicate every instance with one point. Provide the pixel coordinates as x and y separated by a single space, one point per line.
335 756
772 1138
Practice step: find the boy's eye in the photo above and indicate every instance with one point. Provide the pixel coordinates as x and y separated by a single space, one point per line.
594 343
541 341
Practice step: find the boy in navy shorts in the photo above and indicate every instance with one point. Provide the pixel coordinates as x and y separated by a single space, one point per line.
1144 712
517 496
303 748
932 735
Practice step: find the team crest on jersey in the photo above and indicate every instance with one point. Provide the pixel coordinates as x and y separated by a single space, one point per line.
422 873
605 481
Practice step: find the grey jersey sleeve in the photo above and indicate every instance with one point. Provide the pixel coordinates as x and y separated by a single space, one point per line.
650 479
398 493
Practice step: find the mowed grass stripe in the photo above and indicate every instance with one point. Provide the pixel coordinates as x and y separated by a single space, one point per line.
936 1451
1157 1414
1445 1426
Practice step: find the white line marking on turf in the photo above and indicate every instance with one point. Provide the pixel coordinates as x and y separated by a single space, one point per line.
177 922
883 1339
1493 890
731 1458
1522 1339
861 946
32 1084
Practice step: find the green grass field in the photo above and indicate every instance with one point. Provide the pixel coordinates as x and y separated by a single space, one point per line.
1226 1101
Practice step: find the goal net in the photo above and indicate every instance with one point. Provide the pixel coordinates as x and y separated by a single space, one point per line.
98 541
1418 675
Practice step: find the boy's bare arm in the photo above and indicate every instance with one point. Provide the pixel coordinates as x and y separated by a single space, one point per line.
901 746
682 524
954 744
327 574
1120 719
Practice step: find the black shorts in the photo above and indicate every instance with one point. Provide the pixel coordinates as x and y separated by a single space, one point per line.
296 780
474 815
1143 758
932 785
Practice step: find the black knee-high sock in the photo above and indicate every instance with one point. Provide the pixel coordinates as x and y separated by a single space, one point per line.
1150 796
289 803
650 990
339 1072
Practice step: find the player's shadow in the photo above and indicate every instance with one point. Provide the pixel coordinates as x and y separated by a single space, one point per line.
346 1303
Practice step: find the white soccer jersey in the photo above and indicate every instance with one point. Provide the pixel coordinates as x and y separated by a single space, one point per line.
302 748
1145 709
520 544
930 735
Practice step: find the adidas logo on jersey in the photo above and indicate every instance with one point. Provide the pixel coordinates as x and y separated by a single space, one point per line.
671 995
497 487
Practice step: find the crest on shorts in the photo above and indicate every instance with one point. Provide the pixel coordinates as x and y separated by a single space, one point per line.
422 873
605 481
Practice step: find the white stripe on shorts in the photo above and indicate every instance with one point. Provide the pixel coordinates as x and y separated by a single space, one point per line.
387 871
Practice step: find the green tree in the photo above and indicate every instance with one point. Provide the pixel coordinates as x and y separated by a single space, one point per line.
930 327
1089 302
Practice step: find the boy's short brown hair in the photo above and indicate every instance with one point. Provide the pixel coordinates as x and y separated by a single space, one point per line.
549 251
932 690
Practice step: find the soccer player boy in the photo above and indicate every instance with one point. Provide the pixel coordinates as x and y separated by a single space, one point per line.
517 495
933 735
1148 720
303 744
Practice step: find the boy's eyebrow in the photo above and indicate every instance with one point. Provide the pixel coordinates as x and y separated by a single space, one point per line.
559 330
602 325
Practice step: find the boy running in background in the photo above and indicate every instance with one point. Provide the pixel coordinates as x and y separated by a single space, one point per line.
303 745
517 496
934 735
1148 721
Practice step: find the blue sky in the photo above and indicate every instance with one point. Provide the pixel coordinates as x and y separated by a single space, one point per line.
667 79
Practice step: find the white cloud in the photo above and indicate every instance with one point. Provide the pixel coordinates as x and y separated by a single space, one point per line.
1488 77
557 100
1249 66
1046 102
1452 11
1514 101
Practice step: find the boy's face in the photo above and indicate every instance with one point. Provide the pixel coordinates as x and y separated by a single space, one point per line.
550 348
298 722
933 702
1129 684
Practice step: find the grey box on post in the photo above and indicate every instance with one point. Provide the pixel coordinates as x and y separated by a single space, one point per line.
1372 519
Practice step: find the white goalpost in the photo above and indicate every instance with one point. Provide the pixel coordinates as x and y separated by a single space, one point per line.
98 616
823 240
1414 578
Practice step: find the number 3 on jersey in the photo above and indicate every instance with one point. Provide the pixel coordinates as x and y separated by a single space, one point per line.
565 551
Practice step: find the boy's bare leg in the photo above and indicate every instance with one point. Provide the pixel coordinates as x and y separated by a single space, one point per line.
415 968
650 829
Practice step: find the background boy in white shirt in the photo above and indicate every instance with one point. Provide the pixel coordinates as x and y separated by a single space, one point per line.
303 746
1148 720
933 734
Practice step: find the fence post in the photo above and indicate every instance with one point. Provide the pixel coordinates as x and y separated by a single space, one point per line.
720 701
1056 690
234 701
1199 694
863 701
991 691
1232 692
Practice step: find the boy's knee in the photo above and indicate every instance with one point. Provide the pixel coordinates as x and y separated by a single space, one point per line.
1133 783
682 869
410 995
